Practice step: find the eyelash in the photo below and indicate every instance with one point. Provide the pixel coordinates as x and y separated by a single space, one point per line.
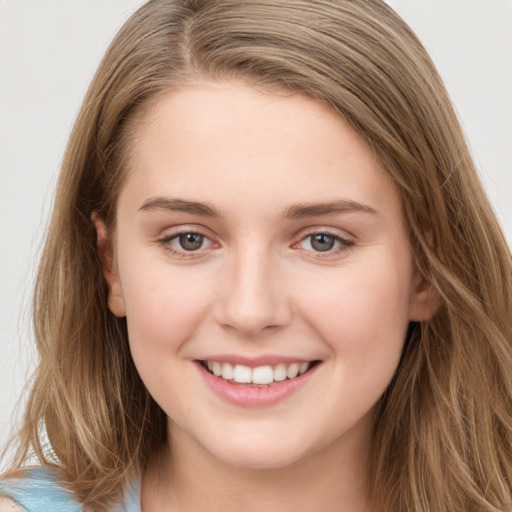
167 240
343 244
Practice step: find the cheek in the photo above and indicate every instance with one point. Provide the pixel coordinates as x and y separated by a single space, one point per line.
363 313
363 319
163 309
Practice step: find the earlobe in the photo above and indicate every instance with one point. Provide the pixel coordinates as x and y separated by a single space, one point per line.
424 301
106 255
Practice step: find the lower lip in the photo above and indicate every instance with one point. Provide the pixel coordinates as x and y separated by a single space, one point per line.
246 396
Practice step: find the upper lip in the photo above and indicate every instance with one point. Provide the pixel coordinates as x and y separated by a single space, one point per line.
253 362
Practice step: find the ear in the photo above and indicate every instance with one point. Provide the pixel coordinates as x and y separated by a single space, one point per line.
424 301
105 251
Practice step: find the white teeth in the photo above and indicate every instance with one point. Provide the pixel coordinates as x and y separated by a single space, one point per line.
242 374
280 373
292 371
216 369
261 375
227 371
303 367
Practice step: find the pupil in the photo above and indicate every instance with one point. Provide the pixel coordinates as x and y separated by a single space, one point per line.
191 241
322 243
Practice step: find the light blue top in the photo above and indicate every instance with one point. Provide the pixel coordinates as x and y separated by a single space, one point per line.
40 491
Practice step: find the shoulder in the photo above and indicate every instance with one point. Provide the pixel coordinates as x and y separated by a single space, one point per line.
8 505
36 490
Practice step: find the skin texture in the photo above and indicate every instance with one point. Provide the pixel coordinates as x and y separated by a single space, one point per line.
7 505
257 286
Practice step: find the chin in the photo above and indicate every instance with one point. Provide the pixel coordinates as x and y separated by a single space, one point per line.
252 451
257 460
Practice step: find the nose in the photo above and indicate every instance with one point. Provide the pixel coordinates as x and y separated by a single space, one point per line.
253 299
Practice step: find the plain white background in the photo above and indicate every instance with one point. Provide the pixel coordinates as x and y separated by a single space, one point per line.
48 53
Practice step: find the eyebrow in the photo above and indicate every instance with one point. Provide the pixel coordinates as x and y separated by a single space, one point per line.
308 210
179 205
296 212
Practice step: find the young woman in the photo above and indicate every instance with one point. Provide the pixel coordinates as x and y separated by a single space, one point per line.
272 280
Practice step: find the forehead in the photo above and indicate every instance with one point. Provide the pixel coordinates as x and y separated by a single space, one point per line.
226 141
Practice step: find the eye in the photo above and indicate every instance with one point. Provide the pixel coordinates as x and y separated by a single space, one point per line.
186 243
190 241
324 242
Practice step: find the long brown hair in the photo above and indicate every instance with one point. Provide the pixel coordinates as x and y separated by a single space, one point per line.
442 439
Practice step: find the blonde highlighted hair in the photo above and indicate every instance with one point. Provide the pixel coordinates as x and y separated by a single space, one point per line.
442 440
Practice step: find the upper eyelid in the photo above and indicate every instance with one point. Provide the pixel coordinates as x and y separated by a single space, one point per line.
175 231
344 241
167 242
335 232
173 236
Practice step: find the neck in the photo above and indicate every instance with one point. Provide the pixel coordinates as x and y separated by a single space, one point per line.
192 479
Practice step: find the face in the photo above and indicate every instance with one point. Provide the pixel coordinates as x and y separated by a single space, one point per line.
262 264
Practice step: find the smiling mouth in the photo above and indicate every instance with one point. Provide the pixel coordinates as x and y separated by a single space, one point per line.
260 376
